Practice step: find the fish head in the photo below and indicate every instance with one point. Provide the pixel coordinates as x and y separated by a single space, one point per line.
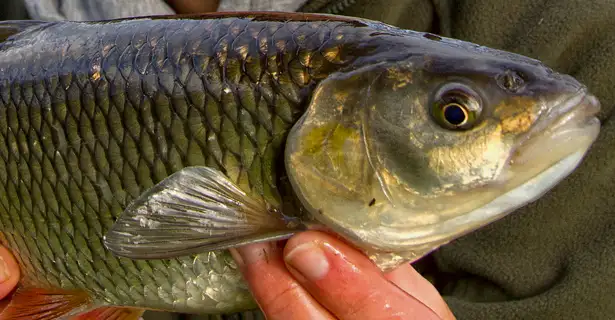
401 157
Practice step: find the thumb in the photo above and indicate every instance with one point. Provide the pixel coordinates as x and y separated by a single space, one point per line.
348 284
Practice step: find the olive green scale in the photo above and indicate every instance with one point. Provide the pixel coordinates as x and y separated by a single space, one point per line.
94 113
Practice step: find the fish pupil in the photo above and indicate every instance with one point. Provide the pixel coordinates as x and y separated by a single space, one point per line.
455 115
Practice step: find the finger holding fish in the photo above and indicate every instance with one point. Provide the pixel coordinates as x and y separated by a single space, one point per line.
9 272
318 276
349 284
277 292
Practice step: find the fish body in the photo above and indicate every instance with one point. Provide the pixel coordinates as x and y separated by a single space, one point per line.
104 126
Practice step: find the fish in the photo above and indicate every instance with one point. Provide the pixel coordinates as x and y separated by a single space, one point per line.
134 152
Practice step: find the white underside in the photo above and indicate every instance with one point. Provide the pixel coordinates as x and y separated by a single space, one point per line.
524 194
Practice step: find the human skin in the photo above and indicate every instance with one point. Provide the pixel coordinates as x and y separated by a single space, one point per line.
318 276
9 272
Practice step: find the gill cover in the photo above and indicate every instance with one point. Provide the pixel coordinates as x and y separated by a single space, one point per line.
330 167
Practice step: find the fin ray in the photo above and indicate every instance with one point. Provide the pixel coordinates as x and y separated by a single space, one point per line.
44 304
255 15
196 209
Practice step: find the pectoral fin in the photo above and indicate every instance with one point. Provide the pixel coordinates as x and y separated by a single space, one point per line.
197 209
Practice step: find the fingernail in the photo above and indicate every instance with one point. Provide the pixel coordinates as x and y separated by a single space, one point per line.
4 270
252 253
309 260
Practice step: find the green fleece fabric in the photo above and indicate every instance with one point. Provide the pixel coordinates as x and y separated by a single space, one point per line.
13 10
554 259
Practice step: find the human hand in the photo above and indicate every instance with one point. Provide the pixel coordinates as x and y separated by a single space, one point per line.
9 272
316 276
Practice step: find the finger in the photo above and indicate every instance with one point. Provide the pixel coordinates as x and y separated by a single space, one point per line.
409 280
346 282
9 272
275 290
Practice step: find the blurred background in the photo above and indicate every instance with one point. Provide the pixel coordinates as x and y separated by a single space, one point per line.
112 9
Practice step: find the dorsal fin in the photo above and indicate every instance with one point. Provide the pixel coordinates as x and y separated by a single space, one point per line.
12 27
255 15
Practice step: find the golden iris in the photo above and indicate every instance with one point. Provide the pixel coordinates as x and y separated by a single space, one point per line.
456 107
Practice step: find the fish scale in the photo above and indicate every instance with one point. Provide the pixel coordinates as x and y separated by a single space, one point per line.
128 104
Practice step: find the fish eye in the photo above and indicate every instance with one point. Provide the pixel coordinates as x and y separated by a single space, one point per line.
456 107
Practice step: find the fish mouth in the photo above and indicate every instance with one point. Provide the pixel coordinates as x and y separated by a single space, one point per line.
567 128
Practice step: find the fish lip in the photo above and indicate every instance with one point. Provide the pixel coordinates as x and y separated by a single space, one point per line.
577 110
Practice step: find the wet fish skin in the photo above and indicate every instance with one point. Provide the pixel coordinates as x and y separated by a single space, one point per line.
94 113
